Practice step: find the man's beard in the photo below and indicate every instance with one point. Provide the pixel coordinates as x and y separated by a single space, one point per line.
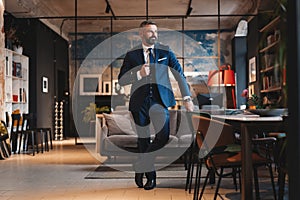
151 40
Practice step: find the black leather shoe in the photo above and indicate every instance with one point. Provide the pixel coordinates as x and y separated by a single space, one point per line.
139 179
151 183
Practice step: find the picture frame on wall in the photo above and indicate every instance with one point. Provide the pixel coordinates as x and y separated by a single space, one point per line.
45 84
251 90
90 84
252 70
106 88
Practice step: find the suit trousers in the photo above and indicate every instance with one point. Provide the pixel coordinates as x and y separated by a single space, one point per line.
153 111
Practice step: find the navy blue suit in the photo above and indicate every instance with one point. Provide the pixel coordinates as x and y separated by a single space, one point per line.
153 94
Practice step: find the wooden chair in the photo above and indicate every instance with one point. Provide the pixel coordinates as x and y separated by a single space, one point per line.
192 152
219 151
15 131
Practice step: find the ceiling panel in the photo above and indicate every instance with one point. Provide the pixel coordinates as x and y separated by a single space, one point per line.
128 8
205 7
237 7
59 14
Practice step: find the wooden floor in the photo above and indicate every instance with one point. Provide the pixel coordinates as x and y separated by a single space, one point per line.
59 174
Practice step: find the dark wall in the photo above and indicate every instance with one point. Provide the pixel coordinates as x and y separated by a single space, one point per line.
48 54
239 63
252 49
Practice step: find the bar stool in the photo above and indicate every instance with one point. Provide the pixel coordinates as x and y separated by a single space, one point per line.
30 135
45 132
47 136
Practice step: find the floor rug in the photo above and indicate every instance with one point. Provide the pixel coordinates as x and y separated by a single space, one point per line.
122 172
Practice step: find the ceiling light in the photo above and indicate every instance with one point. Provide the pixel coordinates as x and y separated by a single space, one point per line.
107 9
188 12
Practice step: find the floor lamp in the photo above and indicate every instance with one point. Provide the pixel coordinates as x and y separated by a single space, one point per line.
224 76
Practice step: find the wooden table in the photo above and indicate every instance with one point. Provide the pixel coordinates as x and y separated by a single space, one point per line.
244 123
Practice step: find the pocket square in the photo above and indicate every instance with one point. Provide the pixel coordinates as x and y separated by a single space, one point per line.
160 59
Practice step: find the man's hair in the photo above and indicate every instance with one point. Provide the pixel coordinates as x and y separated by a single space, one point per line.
147 22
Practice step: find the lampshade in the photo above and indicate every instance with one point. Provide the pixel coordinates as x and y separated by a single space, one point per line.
215 78
229 79
223 76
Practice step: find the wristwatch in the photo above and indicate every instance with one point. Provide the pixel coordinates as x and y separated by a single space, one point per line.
188 99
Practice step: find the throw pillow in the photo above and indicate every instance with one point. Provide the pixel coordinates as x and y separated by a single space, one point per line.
119 124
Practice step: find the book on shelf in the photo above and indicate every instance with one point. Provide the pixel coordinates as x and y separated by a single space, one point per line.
21 95
17 69
24 95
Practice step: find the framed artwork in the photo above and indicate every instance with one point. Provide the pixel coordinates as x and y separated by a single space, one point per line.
106 88
252 70
90 84
45 84
251 90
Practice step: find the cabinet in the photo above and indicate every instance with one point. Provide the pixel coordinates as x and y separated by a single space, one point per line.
272 68
16 82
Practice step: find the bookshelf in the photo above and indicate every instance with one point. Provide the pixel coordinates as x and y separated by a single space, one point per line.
271 69
16 82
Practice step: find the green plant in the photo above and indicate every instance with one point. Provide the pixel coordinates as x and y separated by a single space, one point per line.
89 113
256 101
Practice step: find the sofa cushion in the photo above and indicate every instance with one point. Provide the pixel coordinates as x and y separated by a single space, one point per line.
119 123
121 141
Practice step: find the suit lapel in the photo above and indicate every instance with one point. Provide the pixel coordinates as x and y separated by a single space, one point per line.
140 55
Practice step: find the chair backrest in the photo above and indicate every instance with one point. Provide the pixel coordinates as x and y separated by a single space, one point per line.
189 116
15 122
26 118
7 119
184 122
212 133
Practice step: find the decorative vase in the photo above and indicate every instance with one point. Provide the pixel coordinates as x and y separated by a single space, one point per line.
18 49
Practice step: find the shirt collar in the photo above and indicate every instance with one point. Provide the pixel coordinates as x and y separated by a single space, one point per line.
145 48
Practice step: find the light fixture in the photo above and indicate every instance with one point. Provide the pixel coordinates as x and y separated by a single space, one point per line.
107 9
189 10
224 76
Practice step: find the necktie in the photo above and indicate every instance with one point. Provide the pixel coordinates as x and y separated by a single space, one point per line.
151 58
151 63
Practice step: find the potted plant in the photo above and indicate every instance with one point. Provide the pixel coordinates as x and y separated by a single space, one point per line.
15 32
89 113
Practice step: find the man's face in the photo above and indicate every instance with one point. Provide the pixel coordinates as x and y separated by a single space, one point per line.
148 34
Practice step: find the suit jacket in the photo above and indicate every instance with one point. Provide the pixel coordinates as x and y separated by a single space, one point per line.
164 59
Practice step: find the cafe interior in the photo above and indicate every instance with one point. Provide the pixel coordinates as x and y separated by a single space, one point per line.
66 132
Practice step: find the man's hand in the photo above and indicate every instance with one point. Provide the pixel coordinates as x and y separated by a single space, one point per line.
189 105
145 70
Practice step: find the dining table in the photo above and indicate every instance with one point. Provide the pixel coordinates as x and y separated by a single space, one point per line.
247 125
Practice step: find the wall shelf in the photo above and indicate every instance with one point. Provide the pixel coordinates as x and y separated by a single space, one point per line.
270 25
275 89
270 46
16 82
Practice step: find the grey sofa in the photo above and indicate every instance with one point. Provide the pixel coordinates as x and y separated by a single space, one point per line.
118 135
